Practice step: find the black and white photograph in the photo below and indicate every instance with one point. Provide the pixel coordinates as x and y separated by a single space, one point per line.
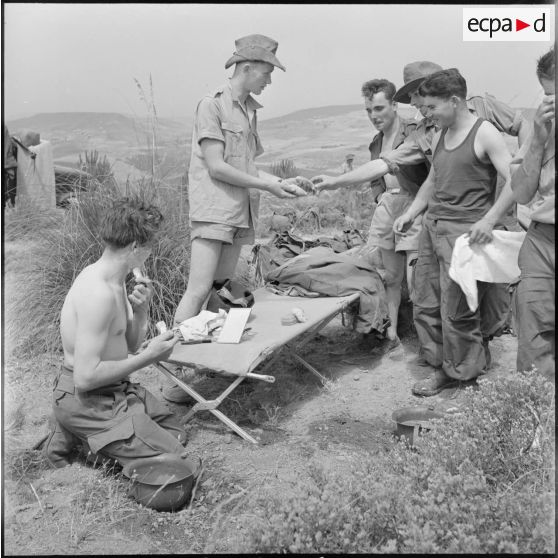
278 279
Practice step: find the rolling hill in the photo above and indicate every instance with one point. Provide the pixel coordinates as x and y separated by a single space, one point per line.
316 139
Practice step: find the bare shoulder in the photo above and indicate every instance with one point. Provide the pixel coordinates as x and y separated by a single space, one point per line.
90 291
488 132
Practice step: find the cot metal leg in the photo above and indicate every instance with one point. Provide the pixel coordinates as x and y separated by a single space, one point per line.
309 367
308 336
208 405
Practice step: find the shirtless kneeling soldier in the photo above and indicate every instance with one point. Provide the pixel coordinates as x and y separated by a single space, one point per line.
93 399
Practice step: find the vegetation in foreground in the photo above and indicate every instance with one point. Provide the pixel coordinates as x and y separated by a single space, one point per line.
482 481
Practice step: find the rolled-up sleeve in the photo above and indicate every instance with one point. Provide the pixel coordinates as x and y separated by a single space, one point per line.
208 120
506 119
408 153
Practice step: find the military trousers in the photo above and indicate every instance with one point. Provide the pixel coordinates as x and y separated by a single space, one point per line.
123 421
534 302
451 336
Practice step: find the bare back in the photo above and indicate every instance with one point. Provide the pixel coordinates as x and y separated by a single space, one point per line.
95 316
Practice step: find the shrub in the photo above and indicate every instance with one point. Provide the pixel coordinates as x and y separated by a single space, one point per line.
481 481
74 244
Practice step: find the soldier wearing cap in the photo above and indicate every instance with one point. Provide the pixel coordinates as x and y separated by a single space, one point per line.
223 180
348 164
417 148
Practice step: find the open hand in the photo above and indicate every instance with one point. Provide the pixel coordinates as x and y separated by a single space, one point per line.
282 189
303 183
324 182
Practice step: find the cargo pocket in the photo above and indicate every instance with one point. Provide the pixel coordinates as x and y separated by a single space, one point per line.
456 303
121 431
155 436
63 385
536 305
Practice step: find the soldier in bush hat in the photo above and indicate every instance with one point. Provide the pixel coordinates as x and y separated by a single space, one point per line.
223 180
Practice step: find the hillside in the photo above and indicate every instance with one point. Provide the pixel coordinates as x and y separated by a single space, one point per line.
316 139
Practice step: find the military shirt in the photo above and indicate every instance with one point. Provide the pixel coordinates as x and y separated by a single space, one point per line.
220 116
409 176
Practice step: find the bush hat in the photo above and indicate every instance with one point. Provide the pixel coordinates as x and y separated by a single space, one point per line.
413 75
255 47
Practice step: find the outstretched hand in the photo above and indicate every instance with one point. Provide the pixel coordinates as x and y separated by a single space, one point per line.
304 183
323 182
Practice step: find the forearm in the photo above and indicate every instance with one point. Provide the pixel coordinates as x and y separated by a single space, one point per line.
525 179
107 372
268 177
369 171
525 130
420 203
137 330
503 203
226 173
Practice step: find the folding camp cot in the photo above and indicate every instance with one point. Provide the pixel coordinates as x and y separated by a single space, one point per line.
266 336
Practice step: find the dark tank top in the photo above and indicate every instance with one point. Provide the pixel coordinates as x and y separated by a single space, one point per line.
465 186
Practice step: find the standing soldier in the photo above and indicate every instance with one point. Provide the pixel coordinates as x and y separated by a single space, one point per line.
533 183
223 180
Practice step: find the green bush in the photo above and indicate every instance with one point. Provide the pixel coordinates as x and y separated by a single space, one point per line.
482 481
66 249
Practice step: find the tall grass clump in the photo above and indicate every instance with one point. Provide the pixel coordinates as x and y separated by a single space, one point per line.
100 168
285 168
75 244
29 221
482 481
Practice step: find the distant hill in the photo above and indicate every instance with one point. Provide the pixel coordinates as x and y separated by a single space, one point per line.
112 133
316 139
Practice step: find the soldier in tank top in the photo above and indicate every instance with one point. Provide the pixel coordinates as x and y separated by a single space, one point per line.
458 196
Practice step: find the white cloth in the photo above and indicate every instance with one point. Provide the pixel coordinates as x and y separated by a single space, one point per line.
202 325
35 177
494 262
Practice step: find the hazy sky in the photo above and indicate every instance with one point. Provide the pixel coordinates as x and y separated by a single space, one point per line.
83 57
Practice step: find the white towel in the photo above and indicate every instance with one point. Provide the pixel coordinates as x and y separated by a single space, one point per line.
35 177
202 325
494 262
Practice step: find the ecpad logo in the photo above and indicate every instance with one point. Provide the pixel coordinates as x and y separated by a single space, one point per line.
508 24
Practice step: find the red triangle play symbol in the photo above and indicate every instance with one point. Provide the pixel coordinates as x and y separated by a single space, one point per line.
519 25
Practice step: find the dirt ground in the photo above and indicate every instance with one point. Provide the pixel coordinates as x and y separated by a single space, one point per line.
298 421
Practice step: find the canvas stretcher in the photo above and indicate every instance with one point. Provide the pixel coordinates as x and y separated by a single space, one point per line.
266 339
